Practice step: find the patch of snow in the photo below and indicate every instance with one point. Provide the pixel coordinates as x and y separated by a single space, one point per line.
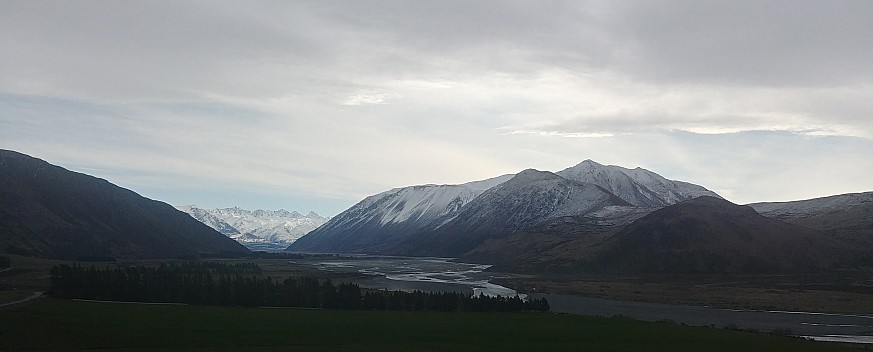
804 208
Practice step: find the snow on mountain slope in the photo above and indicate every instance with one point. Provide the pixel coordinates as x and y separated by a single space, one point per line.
533 196
638 186
527 199
431 202
424 202
810 206
616 215
381 218
850 212
206 217
261 229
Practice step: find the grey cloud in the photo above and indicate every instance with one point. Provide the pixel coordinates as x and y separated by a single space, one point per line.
141 49
764 43
426 85
758 43
186 49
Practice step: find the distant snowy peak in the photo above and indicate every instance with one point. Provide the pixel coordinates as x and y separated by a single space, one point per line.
258 229
638 186
207 217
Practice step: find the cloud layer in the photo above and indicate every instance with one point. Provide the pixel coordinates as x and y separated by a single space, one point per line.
321 103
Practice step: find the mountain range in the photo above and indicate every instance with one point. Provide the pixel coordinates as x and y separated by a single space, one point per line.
589 218
51 212
257 229
603 218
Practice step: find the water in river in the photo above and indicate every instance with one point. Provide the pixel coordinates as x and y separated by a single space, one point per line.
423 274
855 328
443 275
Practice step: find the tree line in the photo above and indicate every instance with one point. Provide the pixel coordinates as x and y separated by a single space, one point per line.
212 283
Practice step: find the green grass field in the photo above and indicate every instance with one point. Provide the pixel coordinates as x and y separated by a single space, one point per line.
62 325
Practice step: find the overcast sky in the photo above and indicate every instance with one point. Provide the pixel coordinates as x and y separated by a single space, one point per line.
315 105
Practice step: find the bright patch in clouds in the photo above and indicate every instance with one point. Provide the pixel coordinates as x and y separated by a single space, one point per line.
365 99
563 134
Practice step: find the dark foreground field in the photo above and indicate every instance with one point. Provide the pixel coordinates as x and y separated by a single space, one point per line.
62 325
848 292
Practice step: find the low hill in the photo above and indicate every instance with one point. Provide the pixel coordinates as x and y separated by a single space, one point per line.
706 235
848 214
48 211
711 235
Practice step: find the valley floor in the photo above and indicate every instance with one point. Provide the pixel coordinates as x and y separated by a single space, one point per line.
51 324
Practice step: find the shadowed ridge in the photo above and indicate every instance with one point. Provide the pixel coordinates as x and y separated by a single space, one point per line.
48 211
712 235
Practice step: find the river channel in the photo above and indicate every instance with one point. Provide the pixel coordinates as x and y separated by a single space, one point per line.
443 275
420 273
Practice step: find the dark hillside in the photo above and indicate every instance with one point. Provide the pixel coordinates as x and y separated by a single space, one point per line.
711 235
48 211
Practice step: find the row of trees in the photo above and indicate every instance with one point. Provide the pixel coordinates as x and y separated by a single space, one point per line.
239 285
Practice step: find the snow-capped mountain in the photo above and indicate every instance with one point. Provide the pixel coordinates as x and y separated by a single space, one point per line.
258 229
638 186
405 220
384 219
529 198
207 217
